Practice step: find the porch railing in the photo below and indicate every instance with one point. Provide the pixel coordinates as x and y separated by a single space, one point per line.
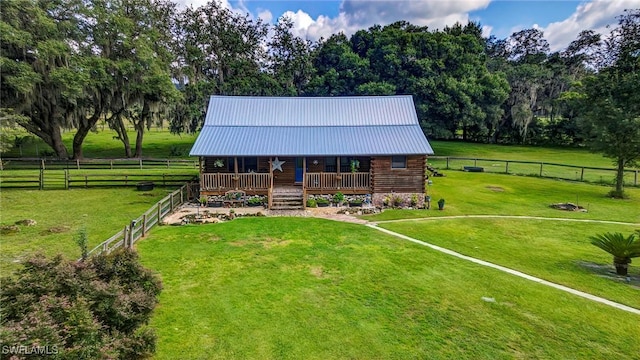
231 181
335 181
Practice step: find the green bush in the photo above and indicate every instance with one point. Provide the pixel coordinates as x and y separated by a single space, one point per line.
81 310
311 203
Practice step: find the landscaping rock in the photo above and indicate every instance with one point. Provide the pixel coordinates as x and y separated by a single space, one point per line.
26 222
568 207
9 229
488 299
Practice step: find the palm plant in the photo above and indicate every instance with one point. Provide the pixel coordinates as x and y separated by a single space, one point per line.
622 248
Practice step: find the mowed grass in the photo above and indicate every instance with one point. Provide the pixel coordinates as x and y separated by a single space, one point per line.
494 194
157 143
60 214
294 288
559 155
556 251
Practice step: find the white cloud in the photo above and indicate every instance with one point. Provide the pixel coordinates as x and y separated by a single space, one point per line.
361 14
266 16
594 15
486 30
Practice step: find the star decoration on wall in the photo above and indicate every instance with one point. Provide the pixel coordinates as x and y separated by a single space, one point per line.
276 164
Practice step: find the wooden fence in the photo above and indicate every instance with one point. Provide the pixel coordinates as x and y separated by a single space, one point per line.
93 164
537 168
66 179
139 227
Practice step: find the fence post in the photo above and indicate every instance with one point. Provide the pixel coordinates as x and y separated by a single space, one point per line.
140 163
475 162
111 164
541 169
78 163
41 179
131 235
125 236
447 163
171 201
159 212
506 168
66 179
635 178
42 167
144 224
167 163
582 174
86 181
181 197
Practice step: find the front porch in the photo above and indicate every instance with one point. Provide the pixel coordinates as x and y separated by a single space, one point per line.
263 183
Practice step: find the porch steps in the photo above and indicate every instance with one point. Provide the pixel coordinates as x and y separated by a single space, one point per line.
287 199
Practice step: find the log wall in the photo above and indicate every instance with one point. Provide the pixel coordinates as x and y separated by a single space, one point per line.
412 179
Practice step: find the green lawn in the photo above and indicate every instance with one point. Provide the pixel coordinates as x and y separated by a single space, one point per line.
59 215
483 193
157 143
316 289
553 250
560 155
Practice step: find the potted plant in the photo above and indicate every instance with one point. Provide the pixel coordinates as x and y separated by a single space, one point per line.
214 201
322 202
338 198
441 204
203 200
354 165
355 203
312 203
622 248
255 201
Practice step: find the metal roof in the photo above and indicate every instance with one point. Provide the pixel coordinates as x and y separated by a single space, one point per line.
310 111
310 140
274 126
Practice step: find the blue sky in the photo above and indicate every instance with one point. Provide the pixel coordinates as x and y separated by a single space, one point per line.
560 20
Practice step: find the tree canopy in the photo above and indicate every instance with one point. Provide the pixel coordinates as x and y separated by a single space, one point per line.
137 63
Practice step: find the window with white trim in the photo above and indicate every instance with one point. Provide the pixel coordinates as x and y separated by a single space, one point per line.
399 162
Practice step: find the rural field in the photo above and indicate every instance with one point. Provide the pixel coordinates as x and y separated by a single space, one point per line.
286 287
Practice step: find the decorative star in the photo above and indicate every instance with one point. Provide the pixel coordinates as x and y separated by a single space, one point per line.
276 164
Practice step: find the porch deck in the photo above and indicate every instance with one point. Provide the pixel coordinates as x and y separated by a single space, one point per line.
262 183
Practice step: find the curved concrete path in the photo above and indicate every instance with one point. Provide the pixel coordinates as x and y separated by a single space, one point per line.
507 270
510 217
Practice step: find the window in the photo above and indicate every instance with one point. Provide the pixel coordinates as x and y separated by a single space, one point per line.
330 164
250 164
398 162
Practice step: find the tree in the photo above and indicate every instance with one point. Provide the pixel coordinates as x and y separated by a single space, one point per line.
611 100
289 59
93 309
42 74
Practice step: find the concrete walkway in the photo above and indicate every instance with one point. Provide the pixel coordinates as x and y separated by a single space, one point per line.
510 217
510 271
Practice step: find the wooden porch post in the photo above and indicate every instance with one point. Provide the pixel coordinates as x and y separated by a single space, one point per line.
339 178
304 182
235 171
270 192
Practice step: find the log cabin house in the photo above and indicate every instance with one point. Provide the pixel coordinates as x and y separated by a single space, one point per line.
286 147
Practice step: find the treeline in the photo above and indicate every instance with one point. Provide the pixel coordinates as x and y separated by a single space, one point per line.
66 64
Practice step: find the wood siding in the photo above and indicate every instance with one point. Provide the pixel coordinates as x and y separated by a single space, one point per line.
384 179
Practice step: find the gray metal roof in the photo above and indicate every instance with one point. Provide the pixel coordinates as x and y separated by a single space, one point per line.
273 126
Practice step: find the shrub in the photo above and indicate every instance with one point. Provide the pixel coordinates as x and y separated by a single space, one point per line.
338 197
93 309
322 201
397 201
622 248
311 203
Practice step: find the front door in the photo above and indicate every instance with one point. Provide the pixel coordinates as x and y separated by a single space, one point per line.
299 171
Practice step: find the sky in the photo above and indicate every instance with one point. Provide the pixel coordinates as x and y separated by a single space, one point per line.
560 20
